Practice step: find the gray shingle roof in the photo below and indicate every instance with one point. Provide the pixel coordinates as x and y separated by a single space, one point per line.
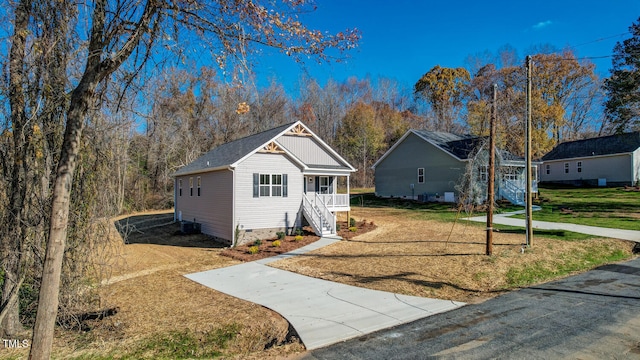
229 153
604 145
460 146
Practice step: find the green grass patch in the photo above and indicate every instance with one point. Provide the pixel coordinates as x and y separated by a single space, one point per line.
603 207
178 344
590 256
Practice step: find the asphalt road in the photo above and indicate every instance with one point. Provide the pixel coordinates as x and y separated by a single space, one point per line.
595 315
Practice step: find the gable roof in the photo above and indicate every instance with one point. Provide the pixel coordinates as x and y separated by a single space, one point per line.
232 153
599 146
461 147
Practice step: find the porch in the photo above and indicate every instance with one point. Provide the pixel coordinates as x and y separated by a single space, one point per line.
330 190
322 199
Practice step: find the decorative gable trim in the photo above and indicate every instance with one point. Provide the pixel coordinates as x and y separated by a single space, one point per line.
272 148
299 130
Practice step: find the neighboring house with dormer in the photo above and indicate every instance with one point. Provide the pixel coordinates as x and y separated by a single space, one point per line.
429 166
261 184
604 161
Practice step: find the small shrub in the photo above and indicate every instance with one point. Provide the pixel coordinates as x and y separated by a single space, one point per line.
299 232
254 250
337 227
352 223
353 229
276 243
257 242
280 235
298 238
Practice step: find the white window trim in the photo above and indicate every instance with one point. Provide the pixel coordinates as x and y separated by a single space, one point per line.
276 186
420 176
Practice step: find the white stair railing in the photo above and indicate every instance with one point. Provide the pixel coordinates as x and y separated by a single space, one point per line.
512 192
327 216
315 213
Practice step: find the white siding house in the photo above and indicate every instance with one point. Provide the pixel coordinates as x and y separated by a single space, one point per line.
273 181
603 161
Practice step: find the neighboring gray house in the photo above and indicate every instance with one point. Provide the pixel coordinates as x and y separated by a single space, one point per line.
608 160
253 187
430 165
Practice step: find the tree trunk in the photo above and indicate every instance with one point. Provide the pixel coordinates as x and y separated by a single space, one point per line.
12 235
49 290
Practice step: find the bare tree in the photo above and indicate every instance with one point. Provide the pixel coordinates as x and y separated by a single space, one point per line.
119 35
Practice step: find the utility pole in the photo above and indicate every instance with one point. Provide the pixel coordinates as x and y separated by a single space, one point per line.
529 230
491 170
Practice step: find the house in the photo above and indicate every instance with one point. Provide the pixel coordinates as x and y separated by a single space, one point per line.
256 186
604 161
431 166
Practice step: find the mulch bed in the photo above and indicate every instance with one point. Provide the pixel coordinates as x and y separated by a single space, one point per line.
267 249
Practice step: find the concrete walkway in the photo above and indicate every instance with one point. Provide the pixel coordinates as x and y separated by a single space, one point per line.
322 312
504 219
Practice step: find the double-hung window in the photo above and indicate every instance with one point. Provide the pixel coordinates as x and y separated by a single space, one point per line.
548 169
276 185
179 187
420 175
579 166
566 168
483 173
265 185
191 186
199 182
269 185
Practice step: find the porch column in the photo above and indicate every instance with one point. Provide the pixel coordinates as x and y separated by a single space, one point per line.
334 190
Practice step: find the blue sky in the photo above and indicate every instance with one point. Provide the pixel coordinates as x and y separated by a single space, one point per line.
403 39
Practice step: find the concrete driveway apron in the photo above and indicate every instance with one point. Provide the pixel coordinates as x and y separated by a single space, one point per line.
322 312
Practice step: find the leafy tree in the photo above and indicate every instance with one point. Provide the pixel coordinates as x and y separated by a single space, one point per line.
360 138
622 106
443 89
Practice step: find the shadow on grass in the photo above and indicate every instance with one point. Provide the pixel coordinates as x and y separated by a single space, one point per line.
160 229
430 242
406 277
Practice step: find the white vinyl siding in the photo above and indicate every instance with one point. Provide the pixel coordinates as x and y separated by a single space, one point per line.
214 208
308 150
273 211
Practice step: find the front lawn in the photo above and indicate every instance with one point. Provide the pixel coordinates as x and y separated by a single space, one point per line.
617 208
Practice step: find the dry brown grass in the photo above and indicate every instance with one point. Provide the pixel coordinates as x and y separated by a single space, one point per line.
404 254
147 285
413 256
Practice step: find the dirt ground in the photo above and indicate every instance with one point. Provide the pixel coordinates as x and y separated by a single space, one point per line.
142 277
